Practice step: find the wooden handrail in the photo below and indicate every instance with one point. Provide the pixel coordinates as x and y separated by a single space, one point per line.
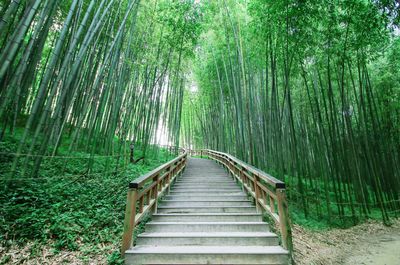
144 192
267 191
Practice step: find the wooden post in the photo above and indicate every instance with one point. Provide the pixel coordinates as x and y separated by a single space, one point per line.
256 192
181 164
129 222
242 178
284 222
148 197
155 194
169 175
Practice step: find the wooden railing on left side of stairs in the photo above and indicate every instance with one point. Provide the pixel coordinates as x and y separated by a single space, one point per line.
144 192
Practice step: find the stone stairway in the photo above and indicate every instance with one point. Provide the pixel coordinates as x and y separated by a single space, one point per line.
206 219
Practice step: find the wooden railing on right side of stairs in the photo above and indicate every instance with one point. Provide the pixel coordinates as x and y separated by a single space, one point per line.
267 191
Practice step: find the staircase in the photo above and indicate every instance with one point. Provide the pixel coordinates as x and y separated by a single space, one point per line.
206 218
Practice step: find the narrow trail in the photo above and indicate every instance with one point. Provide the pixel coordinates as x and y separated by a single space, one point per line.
365 244
383 249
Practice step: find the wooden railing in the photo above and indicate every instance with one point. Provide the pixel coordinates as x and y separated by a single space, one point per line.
144 192
193 152
172 148
268 192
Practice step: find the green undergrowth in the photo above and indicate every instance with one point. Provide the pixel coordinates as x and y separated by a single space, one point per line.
68 206
313 222
316 217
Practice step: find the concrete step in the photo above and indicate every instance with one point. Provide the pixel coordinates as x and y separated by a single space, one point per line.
271 255
208 239
200 171
209 191
209 227
184 203
207 217
206 193
215 189
206 185
205 197
200 184
206 176
202 181
205 173
202 187
202 177
209 209
205 182
220 177
210 180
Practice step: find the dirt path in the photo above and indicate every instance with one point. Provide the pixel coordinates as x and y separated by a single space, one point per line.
366 244
384 249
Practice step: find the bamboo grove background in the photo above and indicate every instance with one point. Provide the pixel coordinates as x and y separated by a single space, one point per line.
309 92
98 73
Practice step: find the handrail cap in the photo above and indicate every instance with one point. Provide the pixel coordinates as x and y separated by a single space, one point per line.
276 183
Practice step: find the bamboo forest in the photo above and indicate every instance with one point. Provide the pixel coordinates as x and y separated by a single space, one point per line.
96 93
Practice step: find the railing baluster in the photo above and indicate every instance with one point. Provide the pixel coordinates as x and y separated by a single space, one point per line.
148 194
264 196
156 190
257 192
168 177
272 204
141 202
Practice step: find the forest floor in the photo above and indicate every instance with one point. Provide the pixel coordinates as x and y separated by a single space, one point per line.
46 255
370 243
